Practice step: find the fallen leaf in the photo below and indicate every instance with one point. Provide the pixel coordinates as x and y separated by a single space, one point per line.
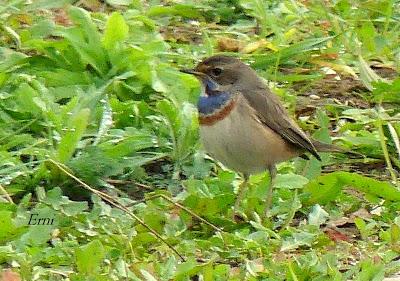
61 17
341 68
9 275
336 235
253 46
226 44
361 213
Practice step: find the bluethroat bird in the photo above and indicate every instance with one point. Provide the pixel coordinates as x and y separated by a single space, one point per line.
243 124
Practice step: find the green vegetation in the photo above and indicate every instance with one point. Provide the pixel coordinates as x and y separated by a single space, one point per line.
91 93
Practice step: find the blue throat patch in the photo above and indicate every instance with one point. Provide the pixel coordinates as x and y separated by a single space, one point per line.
209 104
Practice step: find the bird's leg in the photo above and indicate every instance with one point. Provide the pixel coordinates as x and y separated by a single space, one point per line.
272 175
241 192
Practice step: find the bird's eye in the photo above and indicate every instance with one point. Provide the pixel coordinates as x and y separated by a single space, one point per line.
216 71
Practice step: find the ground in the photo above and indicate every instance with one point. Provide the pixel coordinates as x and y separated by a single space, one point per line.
99 135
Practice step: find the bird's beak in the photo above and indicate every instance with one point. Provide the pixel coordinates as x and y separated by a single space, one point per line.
193 72
205 80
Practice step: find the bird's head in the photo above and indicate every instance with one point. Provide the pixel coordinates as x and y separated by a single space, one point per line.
221 73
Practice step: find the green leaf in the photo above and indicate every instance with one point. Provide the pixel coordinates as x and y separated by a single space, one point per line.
74 133
85 39
386 91
8 229
290 181
116 30
45 4
185 269
90 257
298 239
28 99
367 33
10 59
187 11
371 270
362 227
120 2
308 45
317 216
326 188
367 74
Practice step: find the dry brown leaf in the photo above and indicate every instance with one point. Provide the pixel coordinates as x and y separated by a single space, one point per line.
336 235
61 17
341 68
9 275
360 213
226 44
253 46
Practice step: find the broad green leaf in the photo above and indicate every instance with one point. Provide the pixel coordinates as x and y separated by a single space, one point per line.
63 77
85 39
371 270
386 91
121 2
298 239
10 59
367 33
42 29
8 229
317 216
82 18
89 257
45 4
128 144
187 11
28 99
394 233
73 134
116 30
367 74
327 187
290 181
362 227
186 269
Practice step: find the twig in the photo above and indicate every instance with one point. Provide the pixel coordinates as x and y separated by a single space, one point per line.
113 202
230 263
145 186
8 197
64 274
180 206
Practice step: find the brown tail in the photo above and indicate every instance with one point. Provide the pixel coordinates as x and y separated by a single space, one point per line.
325 147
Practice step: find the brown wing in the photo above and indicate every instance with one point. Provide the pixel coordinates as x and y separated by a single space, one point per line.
271 113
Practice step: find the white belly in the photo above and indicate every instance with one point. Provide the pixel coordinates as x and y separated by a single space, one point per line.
243 144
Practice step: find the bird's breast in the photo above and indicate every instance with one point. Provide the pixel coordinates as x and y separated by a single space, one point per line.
240 141
213 109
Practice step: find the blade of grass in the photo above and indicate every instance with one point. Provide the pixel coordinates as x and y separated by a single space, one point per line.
395 137
382 140
288 52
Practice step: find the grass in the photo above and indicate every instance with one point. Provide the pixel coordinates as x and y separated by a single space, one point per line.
98 132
